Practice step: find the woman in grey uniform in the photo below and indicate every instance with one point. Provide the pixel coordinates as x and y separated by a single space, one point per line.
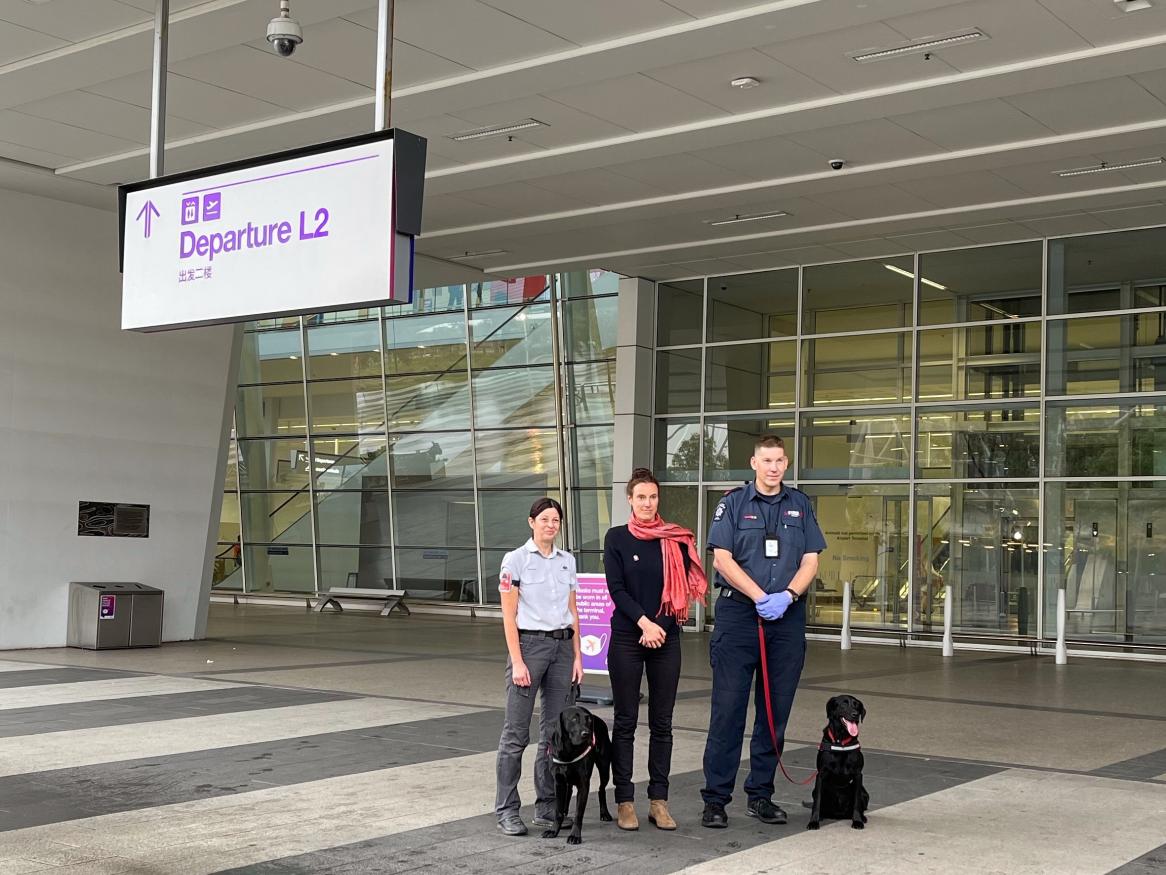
537 584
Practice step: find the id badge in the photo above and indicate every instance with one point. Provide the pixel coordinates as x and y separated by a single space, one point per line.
771 545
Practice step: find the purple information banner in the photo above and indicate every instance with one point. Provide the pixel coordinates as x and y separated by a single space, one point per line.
107 607
595 610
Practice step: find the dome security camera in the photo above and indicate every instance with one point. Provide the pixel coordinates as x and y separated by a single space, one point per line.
284 32
835 163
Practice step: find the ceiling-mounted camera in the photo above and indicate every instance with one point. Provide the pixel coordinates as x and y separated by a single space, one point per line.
837 163
284 32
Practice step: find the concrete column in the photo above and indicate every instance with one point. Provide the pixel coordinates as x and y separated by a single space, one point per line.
635 348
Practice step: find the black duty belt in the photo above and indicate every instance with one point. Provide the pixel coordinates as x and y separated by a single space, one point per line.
558 634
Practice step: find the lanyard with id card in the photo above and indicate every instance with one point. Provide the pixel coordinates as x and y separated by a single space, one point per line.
772 546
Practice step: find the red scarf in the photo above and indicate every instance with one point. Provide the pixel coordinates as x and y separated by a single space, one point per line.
679 588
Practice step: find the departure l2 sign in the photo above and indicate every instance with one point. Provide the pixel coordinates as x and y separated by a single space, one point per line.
325 228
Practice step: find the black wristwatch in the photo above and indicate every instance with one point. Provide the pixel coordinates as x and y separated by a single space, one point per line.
793 593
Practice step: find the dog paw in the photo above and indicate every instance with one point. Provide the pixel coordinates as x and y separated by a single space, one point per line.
550 834
574 840
857 824
864 818
813 824
605 816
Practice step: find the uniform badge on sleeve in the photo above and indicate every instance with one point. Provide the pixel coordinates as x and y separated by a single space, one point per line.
505 582
719 512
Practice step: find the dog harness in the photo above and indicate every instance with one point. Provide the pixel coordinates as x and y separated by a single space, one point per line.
560 762
837 745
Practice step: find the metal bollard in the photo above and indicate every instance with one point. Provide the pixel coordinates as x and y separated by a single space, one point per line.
846 587
1062 651
948 644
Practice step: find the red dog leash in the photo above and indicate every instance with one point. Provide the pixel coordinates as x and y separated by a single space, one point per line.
769 706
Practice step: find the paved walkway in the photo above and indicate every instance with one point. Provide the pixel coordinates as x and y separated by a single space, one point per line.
292 742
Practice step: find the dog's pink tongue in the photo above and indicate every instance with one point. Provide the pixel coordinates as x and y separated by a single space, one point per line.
852 728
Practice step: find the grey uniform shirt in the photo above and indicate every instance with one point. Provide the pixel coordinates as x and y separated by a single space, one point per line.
544 586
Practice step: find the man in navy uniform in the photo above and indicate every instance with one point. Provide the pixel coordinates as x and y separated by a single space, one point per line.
765 542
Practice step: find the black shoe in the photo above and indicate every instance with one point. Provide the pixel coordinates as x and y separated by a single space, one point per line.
512 825
714 816
544 820
766 811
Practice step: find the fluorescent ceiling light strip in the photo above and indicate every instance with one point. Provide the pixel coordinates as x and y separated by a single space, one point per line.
937 158
601 257
1105 167
908 273
480 254
1094 52
756 217
496 130
922 46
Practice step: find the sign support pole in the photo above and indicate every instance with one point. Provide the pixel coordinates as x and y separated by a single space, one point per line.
384 84
158 87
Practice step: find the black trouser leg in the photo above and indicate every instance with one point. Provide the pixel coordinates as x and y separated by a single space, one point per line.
625 666
663 667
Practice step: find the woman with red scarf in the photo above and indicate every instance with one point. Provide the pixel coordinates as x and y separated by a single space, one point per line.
653 572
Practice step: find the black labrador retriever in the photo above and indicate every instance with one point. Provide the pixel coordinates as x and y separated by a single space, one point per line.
579 745
838 791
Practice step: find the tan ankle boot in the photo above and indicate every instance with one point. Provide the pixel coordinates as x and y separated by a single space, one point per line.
625 816
658 814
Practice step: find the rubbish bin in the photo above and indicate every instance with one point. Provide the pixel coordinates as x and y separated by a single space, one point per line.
105 616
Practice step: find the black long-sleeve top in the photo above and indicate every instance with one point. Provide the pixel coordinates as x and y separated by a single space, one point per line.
635 579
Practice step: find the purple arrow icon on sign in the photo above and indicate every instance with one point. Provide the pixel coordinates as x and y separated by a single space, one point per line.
149 211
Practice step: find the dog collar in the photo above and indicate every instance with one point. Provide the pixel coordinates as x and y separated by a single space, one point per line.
842 746
560 762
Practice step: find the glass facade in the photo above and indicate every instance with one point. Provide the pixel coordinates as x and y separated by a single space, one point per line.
991 419
402 446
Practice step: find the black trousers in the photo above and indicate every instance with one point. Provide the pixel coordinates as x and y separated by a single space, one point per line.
626 661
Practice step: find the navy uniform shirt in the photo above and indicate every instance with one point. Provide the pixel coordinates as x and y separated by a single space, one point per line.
741 521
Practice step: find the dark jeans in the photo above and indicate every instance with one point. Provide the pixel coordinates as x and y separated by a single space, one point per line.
626 661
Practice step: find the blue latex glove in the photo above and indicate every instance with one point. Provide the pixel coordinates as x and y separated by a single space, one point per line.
774 605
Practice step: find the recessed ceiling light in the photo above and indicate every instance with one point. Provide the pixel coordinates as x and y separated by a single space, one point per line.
751 217
745 82
1132 5
1106 167
481 253
497 130
913 48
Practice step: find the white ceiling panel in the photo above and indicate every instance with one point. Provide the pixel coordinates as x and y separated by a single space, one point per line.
56 137
192 99
414 66
677 173
1138 216
437 131
1091 105
564 124
148 5
107 116
881 200
1071 223
928 240
469 33
71 20
994 232
33 155
448 211
960 189
973 124
594 20
636 103
765 159
516 199
1154 82
825 58
873 248
1016 29
1102 22
708 79
269 78
867 142
17 43
596 187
